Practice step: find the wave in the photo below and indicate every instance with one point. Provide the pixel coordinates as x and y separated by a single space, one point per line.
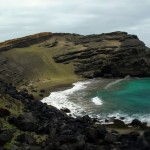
60 99
76 99
113 83
97 101
116 81
127 117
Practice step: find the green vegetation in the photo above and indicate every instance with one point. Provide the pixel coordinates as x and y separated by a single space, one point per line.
35 68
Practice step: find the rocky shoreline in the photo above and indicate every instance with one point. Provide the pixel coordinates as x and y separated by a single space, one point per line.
59 131
52 59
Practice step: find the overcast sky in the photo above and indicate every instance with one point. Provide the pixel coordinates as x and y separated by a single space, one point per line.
22 17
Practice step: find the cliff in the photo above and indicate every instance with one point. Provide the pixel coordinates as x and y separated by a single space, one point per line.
115 54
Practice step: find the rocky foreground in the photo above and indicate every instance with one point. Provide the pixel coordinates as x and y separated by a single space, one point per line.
33 125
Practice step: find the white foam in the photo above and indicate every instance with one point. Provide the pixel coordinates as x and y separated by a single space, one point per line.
97 101
60 99
117 81
113 83
128 118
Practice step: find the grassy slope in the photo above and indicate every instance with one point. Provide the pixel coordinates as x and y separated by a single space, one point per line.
39 68
16 108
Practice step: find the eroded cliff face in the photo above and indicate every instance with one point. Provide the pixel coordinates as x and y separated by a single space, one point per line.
47 56
25 41
114 54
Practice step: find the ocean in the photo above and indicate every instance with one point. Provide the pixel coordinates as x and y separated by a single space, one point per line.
125 99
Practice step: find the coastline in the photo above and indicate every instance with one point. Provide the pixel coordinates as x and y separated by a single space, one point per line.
60 90
67 128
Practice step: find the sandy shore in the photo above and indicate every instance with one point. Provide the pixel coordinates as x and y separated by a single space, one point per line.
51 86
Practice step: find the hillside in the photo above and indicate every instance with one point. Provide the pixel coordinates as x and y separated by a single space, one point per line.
32 66
48 60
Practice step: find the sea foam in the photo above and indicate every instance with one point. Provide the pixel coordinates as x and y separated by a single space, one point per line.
128 117
60 99
116 81
97 101
113 83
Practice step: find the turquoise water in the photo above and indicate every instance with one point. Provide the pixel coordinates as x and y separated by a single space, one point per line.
128 96
106 98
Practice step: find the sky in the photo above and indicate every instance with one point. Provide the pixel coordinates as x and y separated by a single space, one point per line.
24 17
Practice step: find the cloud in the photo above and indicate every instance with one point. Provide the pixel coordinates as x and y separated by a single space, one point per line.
19 18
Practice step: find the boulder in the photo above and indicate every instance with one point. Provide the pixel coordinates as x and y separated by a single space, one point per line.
25 122
1 125
66 139
4 112
42 90
134 135
86 119
119 123
136 123
25 138
6 136
101 132
92 134
66 110
147 135
110 138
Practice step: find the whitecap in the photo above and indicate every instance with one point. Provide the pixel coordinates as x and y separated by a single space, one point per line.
129 117
60 99
97 101
113 83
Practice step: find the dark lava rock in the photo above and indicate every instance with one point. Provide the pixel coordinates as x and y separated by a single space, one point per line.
136 123
119 123
92 134
25 122
102 132
1 125
110 138
67 139
25 138
8 106
42 90
134 135
41 95
34 91
6 136
4 112
66 110
86 119
122 118
147 135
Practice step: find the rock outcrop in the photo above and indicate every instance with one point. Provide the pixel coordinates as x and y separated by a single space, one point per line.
24 41
114 54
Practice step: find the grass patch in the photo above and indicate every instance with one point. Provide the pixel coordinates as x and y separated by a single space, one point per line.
35 65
